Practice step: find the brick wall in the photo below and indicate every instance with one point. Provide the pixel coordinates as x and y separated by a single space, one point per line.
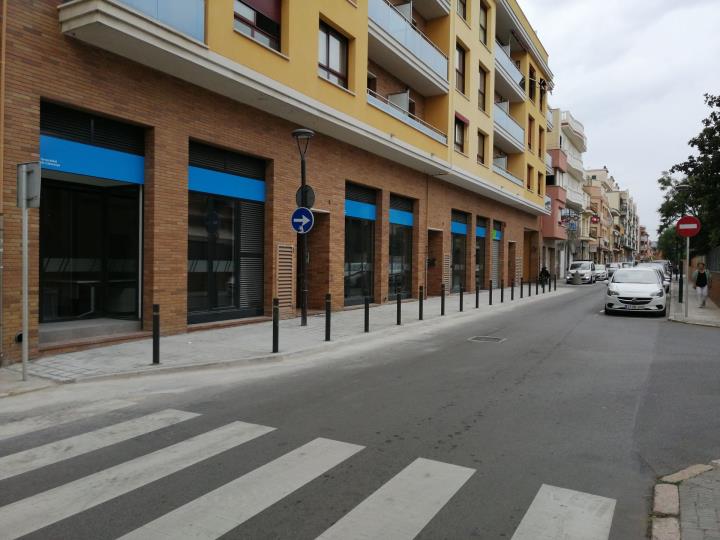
44 64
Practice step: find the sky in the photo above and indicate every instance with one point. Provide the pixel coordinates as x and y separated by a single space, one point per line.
634 73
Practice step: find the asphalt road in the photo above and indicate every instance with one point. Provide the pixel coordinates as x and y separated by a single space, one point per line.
571 398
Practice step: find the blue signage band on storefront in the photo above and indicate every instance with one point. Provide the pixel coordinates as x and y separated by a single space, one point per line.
480 232
401 217
229 185
84 159
497 235
458 228
360 210
302 220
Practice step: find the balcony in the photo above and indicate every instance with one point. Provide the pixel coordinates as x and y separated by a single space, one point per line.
506 174
549 119
575 165
509 135
549 163
508 78
574 130
187 16
396 45
382 103
432 9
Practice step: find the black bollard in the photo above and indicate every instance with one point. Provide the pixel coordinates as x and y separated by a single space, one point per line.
276 325
399 309
537 287
462 294
490 296
512 290
555 282
521 287
502 291
680 284
156 333
477 295
328 311
367 314
422 298
442 299
543 286
529 289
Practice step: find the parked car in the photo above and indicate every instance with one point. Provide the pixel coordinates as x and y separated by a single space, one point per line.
586 269
636 289
628 264
601 272
612 267
665 275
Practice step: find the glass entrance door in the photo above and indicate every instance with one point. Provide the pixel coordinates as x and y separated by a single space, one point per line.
400 271
89 251
458 262
480 262
359 253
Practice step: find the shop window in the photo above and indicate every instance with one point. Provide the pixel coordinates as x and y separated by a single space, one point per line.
259 20
332 55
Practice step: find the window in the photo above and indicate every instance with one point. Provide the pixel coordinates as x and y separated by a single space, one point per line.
532 83
481 148
462 8
460 68
483 23
259 21
482 89
372 82
332 55
540 183
531 130
411 107
459 135
541 142
529 178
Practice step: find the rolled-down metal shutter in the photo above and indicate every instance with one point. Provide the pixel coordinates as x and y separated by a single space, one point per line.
495 263
252 219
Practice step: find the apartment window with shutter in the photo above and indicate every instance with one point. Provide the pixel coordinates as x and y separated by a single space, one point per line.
483 23
459 135
482 89
529 178
259 20
531 130
332 55
541 142
460 68
482 139
540 183
533 83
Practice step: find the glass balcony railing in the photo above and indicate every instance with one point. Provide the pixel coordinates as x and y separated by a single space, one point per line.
186 16
376 100
507 63
507 174
508 123
389 19
548 161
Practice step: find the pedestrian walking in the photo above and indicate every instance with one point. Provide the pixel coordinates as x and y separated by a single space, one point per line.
702 281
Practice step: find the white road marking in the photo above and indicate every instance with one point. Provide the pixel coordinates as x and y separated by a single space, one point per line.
36 423
47 454
38 511
223 509
571 515
402 507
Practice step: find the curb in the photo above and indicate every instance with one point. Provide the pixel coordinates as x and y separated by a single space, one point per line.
665 518
695 323
321 347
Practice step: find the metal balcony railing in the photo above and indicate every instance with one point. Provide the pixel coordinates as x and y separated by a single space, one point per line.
382 103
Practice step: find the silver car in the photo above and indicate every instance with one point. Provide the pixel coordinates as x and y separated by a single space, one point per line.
636 289
601 272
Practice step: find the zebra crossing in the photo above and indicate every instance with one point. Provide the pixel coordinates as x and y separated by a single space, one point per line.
398 510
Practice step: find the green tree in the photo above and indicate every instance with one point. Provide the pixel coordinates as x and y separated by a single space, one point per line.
668 244
697 189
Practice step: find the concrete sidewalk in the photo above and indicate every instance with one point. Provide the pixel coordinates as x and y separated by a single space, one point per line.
707 316
253 342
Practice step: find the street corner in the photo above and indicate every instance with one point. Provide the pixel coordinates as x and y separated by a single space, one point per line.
12 384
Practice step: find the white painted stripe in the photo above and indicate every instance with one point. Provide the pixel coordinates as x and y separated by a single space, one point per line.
570 515
36 423
223 509
692 226
33 513
47 454
401 508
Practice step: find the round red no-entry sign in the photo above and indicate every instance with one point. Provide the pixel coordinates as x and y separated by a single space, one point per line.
688 226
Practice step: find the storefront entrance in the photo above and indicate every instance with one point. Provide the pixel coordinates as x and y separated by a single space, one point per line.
360 215
89 250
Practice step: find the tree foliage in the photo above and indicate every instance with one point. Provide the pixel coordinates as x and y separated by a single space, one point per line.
697 191
669 246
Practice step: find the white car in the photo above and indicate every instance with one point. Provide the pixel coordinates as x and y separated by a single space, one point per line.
601 272
635 289
586 269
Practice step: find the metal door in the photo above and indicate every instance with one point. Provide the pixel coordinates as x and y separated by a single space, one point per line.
495 274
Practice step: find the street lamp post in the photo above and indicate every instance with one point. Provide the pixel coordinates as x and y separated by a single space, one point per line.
302 138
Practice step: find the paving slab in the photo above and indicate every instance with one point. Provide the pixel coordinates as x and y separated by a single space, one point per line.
686 473
667 500
665 529
707 316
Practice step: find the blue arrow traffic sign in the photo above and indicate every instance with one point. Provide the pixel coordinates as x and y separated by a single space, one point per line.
302 220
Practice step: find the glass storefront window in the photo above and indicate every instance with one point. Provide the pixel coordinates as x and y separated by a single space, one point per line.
359 254
458 261
400 270
480 262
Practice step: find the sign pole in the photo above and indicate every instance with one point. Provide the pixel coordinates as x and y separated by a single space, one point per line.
22 199
687 273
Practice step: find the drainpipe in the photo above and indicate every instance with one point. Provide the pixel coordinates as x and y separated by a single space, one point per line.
3 47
